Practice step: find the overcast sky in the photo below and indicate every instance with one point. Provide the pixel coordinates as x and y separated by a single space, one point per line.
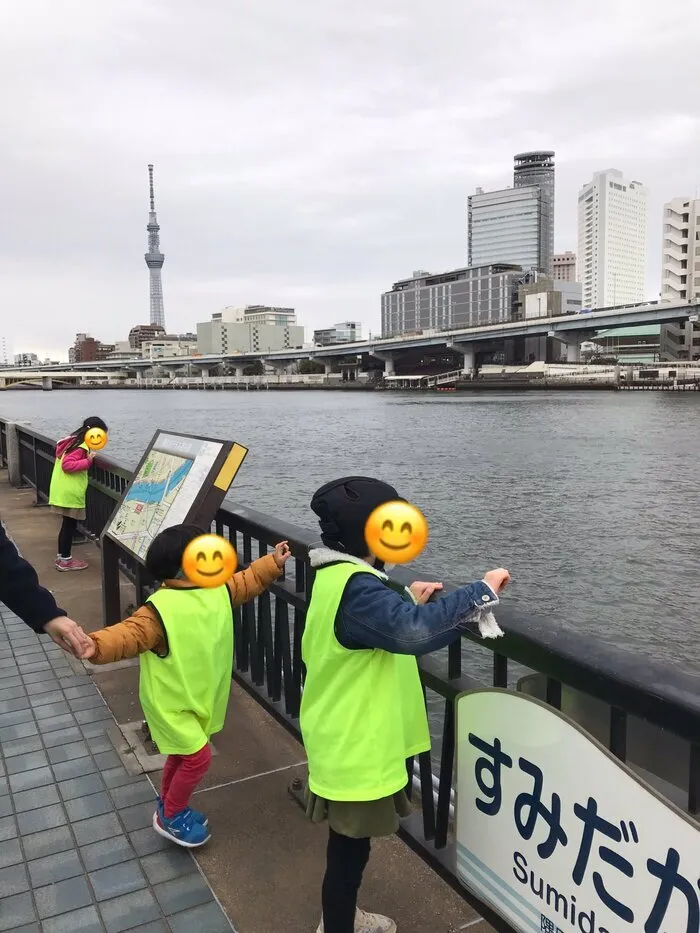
308 153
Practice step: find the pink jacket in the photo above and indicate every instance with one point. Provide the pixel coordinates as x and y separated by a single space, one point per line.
76 460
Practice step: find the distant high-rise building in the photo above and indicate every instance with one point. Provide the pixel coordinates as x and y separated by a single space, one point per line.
257 314
154 258
26 359
346 332
564 266
680 275
142 332
250 329
459 298
537 168
504 226
612 240
87 350
515 225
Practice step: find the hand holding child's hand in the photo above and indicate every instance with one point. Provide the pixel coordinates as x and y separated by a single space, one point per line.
498 580
67 634
282 554
423 591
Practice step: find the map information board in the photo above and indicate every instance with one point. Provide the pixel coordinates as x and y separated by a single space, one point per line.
168 487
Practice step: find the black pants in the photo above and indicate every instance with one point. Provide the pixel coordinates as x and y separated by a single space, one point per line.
65 536
345 862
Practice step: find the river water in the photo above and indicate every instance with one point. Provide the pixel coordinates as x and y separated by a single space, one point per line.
592 500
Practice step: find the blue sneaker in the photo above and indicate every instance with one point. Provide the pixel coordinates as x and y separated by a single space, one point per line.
181 829
196 815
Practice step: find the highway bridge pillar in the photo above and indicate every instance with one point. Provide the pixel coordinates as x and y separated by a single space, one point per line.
279 366
326 362
573 353
466 351
388 358
46 383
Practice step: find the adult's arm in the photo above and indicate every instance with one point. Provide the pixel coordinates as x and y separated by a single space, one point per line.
20 589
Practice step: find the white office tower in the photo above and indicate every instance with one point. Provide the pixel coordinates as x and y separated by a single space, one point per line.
612 240
680 275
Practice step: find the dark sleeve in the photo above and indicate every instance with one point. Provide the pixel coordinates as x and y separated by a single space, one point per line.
20 589
373 615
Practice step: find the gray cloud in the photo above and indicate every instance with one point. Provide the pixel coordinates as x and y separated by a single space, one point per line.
308 153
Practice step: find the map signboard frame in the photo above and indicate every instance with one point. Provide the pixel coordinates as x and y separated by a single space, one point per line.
181 478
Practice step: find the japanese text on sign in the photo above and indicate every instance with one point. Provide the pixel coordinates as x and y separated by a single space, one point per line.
558 836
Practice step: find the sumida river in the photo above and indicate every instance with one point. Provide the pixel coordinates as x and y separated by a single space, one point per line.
592 500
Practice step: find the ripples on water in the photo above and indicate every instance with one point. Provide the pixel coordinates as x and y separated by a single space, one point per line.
592 500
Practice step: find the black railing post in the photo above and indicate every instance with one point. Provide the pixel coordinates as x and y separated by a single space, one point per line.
111 594
618 733
37 496
694 780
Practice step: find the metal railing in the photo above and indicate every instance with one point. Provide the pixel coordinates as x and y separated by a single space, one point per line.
268 662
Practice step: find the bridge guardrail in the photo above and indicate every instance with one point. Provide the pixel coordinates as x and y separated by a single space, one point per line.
268 658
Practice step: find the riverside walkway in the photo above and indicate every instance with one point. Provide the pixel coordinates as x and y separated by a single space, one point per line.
77 851
73 758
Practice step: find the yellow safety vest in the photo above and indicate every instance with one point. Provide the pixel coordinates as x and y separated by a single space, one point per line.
184 695
68 490
362 711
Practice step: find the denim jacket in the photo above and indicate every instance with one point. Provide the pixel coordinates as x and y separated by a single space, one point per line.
377 614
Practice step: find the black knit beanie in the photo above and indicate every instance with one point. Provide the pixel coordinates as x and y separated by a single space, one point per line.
343 507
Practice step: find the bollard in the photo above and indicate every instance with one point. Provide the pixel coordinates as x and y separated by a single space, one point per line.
14 471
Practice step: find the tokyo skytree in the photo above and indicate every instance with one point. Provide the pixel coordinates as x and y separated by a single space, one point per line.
154 258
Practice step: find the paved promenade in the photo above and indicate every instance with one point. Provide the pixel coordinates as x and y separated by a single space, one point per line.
77 851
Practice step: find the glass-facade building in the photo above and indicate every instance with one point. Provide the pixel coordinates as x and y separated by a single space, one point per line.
467 297
504 227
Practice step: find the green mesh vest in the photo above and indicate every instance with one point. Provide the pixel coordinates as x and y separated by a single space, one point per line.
185 694
362 711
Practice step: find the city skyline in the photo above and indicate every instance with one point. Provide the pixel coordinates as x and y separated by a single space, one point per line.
344 161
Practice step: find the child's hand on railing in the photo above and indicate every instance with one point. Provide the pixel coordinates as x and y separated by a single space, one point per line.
423 591
498 580
282 553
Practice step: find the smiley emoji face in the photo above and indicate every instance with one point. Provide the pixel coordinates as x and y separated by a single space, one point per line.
95 438
396 532
209 561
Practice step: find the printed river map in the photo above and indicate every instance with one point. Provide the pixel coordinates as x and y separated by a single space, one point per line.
164 490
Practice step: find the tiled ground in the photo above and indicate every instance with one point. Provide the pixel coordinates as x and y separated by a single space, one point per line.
77 851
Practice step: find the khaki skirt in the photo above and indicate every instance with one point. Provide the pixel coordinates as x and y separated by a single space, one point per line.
77 514
359 819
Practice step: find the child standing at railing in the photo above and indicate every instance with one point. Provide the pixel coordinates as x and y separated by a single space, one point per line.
362 711
183 637
68 490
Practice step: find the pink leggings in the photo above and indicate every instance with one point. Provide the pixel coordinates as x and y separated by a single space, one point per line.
181 775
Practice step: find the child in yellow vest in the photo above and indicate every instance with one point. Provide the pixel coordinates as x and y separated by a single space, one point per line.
362 710
68 489
183 637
